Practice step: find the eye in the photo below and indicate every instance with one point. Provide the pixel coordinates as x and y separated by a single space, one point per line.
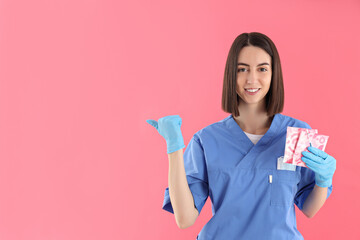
241 69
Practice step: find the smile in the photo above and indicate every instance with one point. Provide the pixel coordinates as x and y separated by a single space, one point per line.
252 90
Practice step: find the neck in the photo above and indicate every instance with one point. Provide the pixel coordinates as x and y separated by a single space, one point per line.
253 118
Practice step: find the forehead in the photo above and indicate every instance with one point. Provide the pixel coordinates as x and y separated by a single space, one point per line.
253 55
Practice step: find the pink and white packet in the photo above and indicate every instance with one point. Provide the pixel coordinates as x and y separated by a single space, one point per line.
297 141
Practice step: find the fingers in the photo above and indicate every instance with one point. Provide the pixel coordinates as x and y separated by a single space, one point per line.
311 164
165 121
152 123
318 152
315 163
312 157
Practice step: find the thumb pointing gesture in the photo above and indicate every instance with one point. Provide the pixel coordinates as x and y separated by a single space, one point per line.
169 128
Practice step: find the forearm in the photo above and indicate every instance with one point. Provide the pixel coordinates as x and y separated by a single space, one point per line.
315 201
180 195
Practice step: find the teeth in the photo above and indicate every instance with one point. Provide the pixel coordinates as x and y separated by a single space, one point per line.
252 89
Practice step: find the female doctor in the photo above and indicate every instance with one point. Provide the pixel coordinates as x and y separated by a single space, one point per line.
237 161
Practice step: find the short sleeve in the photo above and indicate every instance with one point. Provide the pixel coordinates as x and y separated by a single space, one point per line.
306 184
196 175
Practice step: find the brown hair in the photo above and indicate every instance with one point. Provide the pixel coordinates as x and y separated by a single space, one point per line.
275 95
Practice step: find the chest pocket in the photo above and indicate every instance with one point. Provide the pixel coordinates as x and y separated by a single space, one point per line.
283 186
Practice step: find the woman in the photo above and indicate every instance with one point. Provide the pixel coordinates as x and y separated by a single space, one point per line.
238 160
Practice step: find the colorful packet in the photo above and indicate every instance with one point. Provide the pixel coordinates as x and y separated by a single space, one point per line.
298 140
292 137
317 141
304 141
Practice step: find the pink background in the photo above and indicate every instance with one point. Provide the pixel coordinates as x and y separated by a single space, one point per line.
78 79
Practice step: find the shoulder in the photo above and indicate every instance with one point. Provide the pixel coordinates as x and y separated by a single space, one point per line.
220 127
294 122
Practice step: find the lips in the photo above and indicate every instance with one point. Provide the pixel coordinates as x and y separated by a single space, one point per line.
252 93
252 89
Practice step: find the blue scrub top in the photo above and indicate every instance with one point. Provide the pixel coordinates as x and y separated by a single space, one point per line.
221 162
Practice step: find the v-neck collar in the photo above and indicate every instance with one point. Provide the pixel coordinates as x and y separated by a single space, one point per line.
264 140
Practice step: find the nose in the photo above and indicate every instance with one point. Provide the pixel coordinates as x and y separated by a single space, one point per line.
251 77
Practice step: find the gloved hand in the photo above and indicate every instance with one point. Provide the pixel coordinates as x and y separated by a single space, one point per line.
169 128
322 164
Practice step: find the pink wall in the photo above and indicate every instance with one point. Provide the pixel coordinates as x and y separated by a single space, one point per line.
78 79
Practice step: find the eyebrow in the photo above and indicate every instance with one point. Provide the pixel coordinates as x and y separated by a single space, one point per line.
265 63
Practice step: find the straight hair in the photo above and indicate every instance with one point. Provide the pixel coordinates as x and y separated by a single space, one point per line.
274 97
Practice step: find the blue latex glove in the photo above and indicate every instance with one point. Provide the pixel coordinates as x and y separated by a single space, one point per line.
169 128
322 164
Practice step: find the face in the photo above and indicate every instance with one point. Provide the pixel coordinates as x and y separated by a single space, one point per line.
253 71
